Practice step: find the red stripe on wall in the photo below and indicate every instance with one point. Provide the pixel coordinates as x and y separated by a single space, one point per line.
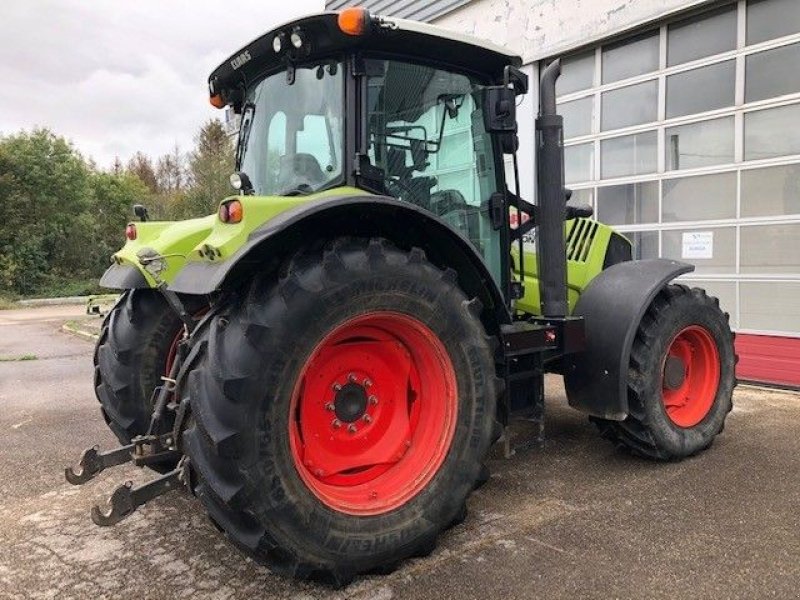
768 359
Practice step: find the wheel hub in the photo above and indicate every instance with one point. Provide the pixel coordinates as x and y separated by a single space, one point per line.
674 373
350 403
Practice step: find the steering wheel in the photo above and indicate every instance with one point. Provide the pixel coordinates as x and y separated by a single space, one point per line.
397 187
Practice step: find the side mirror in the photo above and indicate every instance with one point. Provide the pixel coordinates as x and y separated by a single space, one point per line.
141 212
499 109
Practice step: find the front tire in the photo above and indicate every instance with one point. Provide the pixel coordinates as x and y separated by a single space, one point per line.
342 411
680 378
137 345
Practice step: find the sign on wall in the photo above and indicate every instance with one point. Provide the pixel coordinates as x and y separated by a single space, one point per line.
698 244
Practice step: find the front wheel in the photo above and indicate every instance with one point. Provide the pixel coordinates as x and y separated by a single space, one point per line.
342 410
680 378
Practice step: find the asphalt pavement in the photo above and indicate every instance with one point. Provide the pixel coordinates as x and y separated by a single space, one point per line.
575 519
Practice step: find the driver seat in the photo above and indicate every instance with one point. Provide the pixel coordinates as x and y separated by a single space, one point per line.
299 169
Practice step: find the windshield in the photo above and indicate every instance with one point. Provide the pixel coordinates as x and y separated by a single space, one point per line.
290 139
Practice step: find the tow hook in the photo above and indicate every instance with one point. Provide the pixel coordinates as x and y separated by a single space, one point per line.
127 498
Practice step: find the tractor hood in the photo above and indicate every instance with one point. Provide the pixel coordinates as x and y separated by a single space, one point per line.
161 249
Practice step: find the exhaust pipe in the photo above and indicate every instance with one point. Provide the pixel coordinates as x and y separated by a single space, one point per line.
551 198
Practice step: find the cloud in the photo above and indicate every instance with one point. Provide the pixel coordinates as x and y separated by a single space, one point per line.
119 76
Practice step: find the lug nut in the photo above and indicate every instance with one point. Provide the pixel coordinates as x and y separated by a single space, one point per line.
352 428
351 377
336 423
330 406
367 383
336 387
373 400
367 418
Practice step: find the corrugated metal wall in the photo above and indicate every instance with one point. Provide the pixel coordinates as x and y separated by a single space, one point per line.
419 10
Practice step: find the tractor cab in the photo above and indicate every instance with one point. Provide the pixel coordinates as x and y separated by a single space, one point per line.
392 107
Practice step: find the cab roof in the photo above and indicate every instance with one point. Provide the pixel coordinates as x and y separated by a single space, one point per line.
323 37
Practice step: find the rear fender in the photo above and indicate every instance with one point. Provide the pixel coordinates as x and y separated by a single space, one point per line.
612 306
406 225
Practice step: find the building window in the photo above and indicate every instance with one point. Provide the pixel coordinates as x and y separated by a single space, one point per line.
697 38
772 73
720 243
765 306
700 144
772 132
700 90
579 163
699 198
770 248
628 204
578 117
770 19
629 155
771 191
631 58
577 73
645 244
630 105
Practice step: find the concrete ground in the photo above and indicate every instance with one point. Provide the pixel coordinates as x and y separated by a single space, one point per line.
575 520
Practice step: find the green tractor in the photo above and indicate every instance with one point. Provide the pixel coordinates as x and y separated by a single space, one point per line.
326 361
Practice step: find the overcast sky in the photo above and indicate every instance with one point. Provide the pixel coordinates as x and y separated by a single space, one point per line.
117 76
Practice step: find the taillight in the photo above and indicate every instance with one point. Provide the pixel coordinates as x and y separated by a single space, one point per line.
130 231
231 212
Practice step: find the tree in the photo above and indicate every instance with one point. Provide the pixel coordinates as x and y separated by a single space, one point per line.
170 172
210 167
45 190
142 167
110 209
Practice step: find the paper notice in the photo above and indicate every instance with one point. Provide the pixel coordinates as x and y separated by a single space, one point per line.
698 244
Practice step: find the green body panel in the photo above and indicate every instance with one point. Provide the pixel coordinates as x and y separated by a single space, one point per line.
587 242
207 239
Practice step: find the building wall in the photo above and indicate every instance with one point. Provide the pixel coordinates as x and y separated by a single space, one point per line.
540 28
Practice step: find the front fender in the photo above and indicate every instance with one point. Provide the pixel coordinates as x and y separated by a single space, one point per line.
612 306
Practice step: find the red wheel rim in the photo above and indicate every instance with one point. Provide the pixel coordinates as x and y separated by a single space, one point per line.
373 413
173 352
690 376
173 347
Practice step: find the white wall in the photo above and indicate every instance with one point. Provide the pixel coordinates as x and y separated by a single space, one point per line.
537 29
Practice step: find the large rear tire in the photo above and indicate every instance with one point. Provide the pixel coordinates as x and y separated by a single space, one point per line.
136 347
680 378
342 410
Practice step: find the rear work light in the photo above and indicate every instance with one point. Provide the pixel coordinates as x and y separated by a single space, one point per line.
130 231
354 21
231 211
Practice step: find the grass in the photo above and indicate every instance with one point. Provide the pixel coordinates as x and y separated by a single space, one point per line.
19 358
54 288
60 288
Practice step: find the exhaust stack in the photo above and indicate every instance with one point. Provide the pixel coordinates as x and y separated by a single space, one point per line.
551 198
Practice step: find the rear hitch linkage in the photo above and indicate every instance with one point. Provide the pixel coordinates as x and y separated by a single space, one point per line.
143 450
